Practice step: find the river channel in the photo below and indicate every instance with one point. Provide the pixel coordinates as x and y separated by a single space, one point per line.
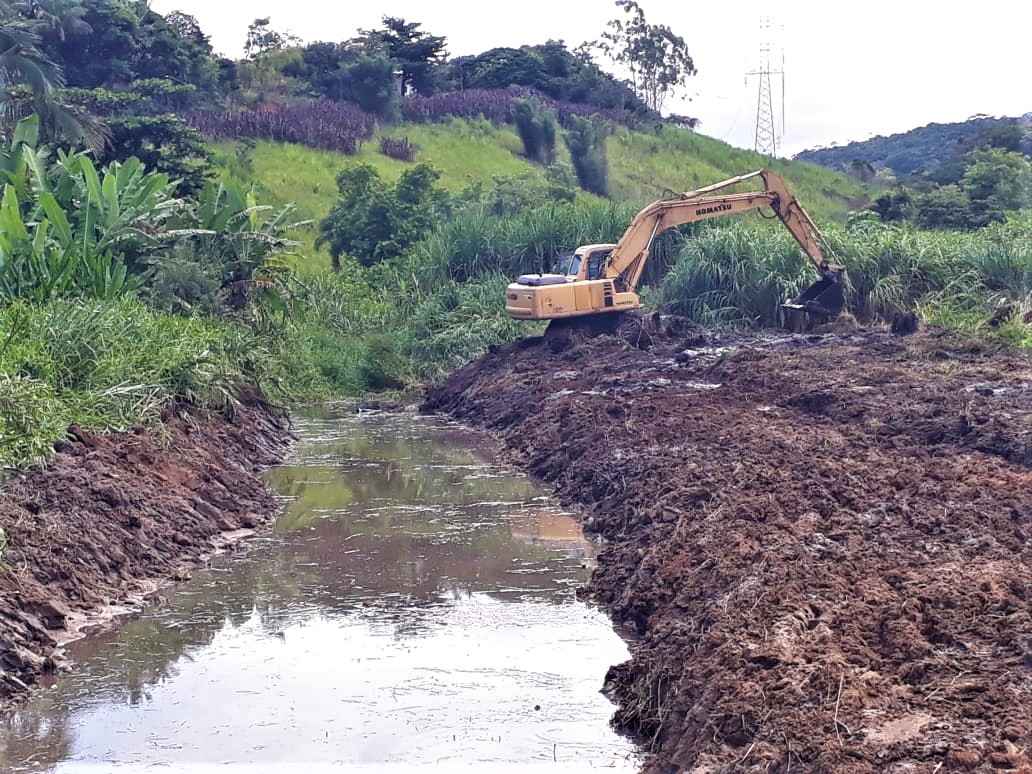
414 606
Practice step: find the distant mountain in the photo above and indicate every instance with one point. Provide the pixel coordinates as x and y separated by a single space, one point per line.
919 150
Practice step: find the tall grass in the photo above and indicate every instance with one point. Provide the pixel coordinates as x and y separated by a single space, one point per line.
112 365
741 272
475 242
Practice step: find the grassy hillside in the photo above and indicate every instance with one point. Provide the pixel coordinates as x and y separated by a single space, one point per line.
643 166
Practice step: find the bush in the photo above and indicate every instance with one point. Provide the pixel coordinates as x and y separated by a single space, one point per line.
31 419
512 194
586 140
373 220
475 243
400 149
951 208
164 143
113 365
537 129
457 323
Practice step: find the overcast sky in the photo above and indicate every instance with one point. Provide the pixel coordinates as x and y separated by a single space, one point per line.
853 69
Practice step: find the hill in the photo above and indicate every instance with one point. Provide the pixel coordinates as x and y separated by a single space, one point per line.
919 150
643 166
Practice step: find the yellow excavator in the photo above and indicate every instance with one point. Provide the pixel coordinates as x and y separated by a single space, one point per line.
602 279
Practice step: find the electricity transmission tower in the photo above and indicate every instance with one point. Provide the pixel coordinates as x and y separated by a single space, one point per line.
767 135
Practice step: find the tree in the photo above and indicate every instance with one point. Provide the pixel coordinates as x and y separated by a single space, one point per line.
374 221
112 44
30 80
1002 179
263 39
894 206
1006 136
368 81
417 53
55 19
863 171
950 207
657 59
551 68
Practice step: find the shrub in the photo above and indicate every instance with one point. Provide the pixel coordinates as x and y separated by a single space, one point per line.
164 143
373 220
31 419
586 140
113 365
950 207
537 129
458 322
399 148
497 105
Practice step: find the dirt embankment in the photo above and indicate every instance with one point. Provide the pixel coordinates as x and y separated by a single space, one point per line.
824 543
113 514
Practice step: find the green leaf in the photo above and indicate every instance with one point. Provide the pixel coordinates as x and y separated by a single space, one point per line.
26 132
58 218
89 173
10 215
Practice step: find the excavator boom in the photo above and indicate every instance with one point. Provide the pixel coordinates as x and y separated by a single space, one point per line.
607 276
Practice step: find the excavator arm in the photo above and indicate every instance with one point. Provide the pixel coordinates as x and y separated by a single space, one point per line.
628 259
607 276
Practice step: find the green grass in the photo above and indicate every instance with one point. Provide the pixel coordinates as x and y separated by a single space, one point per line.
648 165
111 365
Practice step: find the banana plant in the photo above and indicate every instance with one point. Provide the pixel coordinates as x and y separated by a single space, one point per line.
66 228
252 243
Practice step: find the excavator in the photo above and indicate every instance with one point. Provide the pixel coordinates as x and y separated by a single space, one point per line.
603 279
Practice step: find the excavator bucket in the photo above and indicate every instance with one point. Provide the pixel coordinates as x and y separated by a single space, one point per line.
820 303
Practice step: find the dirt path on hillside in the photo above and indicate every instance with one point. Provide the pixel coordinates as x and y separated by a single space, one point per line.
114 515
824 543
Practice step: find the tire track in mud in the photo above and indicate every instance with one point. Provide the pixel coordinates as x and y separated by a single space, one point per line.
823 544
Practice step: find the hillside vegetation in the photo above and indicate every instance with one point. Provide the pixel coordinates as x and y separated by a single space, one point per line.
644 166
923 149
181 262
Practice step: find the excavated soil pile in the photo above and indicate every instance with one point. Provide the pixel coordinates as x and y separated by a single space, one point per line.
112 514
822 543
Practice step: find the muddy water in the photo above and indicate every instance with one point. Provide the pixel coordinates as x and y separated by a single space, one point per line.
414 606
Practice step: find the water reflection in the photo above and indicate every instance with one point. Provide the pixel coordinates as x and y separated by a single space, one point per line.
414 605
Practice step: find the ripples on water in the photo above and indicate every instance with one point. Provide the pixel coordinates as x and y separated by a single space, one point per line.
414 606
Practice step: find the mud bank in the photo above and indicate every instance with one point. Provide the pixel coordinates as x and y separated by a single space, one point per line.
115 515
824 543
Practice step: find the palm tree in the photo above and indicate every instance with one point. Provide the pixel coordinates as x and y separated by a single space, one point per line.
30 81
55 19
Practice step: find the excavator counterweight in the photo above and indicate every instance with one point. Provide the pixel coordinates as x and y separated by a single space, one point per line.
602 279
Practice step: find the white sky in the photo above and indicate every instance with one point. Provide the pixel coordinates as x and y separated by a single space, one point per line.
853 69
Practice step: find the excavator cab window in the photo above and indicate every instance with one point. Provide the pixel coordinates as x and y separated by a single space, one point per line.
568 264
597 263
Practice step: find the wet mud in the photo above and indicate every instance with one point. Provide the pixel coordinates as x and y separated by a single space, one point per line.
822 544
112 517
